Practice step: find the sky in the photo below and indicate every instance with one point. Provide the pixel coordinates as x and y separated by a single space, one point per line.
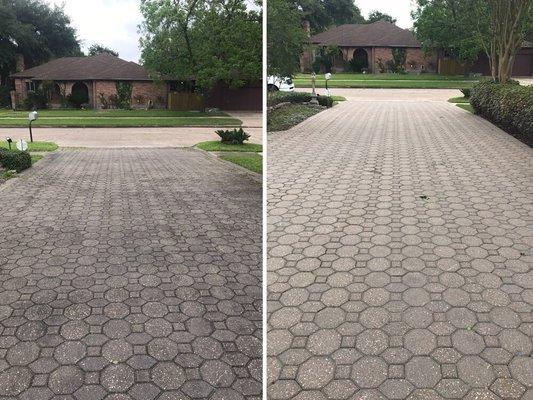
399 9
114 23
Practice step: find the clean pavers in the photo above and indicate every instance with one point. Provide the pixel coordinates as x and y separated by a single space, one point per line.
130 274
400 256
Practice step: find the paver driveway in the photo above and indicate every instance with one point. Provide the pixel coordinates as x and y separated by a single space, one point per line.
400 256
131 274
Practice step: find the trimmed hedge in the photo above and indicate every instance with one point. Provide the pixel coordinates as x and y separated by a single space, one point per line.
15 160
508 106
296 98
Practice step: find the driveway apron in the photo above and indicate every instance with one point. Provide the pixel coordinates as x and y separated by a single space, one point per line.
400 255
130 274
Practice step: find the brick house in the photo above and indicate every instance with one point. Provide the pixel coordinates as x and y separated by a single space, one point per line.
95 77
371 44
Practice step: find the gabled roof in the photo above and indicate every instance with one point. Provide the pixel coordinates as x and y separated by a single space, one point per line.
100 67
377 34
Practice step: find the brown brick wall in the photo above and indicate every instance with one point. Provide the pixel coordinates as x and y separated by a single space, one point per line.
144 91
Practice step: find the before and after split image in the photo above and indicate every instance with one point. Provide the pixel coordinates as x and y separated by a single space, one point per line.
266 200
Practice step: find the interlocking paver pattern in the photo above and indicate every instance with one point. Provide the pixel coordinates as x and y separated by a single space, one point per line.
400 255
130 274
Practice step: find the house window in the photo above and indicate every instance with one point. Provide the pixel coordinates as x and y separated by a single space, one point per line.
30 86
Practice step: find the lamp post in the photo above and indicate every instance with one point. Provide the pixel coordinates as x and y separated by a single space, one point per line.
314 99
9 141
32 117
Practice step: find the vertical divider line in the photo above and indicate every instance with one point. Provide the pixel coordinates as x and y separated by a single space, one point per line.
265 173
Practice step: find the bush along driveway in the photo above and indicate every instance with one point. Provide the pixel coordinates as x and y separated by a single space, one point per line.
287 109
13 161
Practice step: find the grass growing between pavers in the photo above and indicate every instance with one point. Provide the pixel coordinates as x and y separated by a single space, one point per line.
466 107
32 146
250 161
214 145
286 117
388 81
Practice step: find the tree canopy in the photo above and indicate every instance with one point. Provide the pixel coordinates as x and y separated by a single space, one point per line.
35 30
376 16
96 49
465 28
322 14
208 41
447 26
285 38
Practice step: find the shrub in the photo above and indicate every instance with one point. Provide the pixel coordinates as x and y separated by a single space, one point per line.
76 99
325 101
296 98
509 106
35 100
288 97
15 160
124 90
466 92
5 96
399 57
234 136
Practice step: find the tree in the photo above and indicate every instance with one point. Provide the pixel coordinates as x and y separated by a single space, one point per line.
96 49
323 14
446 26
509 21
208 41
35 30
376 16
466 28
285 38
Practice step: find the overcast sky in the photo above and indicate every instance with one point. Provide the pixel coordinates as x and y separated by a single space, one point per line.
113 23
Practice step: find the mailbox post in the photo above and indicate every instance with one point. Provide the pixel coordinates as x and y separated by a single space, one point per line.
328 77
32 117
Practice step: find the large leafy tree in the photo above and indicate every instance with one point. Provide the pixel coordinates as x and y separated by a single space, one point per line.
466 28
447 26
376 16
96 49
35 30
323 14
502 27
208 41
285 38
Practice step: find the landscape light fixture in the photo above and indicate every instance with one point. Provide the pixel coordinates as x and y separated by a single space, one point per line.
32 117
9 141
314 99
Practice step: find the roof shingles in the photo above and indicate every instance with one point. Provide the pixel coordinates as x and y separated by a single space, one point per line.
100 67
377 34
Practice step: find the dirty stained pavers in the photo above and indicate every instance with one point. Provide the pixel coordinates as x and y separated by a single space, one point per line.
130 274
400 256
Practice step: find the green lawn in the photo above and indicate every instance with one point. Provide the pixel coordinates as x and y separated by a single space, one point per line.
35 158
413 81
291 115
466 107
253 162
219 146
117 118
35 146
338 98
461 99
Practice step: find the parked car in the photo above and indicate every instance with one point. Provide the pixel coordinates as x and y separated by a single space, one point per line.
276 83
